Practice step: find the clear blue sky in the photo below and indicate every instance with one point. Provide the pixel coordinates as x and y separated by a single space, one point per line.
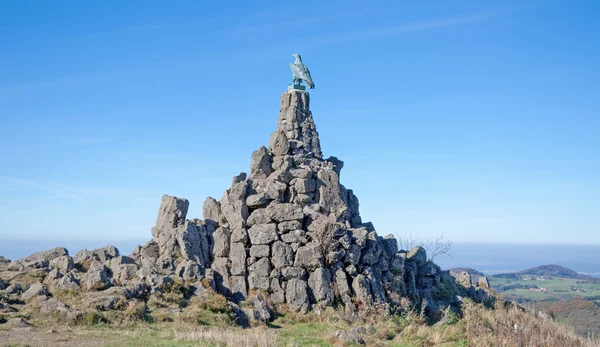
478 120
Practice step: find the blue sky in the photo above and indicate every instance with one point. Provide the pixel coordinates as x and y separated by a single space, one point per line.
476 120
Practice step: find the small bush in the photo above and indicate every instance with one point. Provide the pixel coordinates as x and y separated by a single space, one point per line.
137 311
7 299
92 318
175 298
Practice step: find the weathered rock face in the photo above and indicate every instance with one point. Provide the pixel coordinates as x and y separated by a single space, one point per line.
289 230
292 229
171 214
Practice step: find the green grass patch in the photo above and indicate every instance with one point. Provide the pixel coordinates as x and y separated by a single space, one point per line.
304 334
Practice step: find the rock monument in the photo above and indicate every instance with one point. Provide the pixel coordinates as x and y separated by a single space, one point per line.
287 233
291 230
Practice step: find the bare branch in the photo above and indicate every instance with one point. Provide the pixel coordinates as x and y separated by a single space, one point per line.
433 247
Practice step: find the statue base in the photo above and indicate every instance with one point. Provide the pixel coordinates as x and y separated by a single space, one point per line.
293 86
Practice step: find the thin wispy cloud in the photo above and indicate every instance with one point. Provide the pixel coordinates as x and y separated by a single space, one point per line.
81 140
11 187
390 31
265 26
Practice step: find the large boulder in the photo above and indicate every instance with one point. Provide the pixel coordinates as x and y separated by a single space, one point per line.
329 193
362 289
221 240
263 234
63 263
390 245
233 203
68 282
122 268
50 305
309 256
105 253
281 212
189 271
417 255
343 288
96 278
279 144
194 241
39 260
319 283
282 255
296 295
237 256
239 288
261 267
108 299
171 214
211 210
34 290
260 164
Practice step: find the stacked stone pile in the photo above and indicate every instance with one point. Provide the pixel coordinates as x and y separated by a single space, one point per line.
288 230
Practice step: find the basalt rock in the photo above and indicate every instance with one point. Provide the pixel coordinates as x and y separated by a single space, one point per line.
289 229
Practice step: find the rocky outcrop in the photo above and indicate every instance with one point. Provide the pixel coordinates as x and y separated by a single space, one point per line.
289 230
479 291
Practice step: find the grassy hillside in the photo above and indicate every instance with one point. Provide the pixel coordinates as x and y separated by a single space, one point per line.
528 288
570 298
582 315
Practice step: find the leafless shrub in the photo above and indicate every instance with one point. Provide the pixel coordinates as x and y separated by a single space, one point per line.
327 236
433 247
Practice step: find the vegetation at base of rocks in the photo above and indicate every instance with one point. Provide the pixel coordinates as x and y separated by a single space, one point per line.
30 277
478 326
91 318
5 298
137 310
446 287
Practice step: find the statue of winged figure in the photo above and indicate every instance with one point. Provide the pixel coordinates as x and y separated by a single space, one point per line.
300 73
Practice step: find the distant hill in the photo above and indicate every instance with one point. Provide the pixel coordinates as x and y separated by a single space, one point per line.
551 270
581 267
471 271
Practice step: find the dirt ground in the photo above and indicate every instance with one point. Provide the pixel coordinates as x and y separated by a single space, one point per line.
36 336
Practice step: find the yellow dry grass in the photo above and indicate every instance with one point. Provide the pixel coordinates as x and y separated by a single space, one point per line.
257 336
502 327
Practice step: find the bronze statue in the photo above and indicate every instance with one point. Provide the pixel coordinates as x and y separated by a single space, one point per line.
300 73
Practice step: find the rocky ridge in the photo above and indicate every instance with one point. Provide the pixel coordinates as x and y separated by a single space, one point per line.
288 233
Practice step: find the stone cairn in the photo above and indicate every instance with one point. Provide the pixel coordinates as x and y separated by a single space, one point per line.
288 232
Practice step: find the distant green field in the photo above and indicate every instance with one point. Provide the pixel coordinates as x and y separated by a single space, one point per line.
556 288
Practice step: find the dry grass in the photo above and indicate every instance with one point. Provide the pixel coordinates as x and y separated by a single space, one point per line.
514 326
207 320
254 337
480 326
